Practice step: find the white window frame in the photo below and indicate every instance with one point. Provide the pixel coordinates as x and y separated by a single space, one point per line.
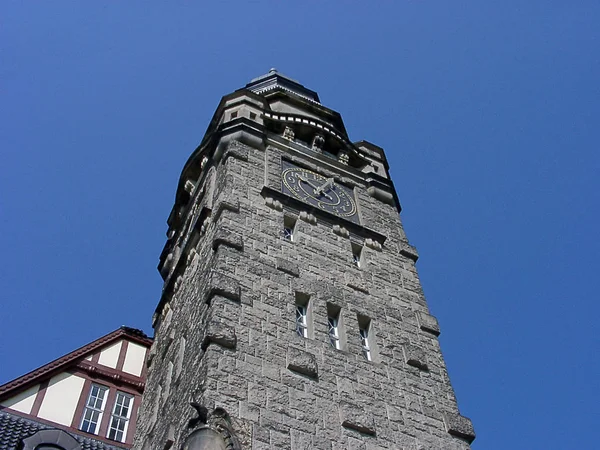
288 234
119 417
364 342
94 408
334 332
302 320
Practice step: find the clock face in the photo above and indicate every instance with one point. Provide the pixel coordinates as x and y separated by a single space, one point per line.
319 191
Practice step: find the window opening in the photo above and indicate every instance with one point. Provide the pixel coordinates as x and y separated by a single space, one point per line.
334 333
303 315
366 337
364 342
120 417
94 407
301 321
335 327
357 254
289 224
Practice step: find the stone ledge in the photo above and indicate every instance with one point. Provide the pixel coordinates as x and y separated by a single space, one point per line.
223 285
415 356
358 286
460 426
220 334
409 251
428 323
288 267
356 418
227 238
302 362
230 206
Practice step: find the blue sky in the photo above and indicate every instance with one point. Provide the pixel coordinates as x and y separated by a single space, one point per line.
489 113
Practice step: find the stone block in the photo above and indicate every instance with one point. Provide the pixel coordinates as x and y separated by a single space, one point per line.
356 418
415 356
227 238
233 206
223 285
288 267
358 285
219 333
409 251
428 323
460 426
236 150
302 362
372 243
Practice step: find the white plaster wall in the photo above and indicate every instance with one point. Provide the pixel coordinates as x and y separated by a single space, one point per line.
62 396
134 359
22 402
110 355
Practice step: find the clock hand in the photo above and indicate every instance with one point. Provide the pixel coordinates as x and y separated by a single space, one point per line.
325 185
317 190
301 178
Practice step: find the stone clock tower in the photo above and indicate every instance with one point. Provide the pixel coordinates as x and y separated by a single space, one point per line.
291 315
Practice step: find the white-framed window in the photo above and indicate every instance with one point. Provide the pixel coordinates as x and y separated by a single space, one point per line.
301 321
289 224
364 342
94 408
119 419
334 332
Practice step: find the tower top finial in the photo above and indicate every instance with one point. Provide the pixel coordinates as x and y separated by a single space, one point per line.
276 80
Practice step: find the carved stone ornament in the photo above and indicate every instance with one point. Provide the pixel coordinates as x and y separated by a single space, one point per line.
318 142
214 431
288 133
203 162
344 157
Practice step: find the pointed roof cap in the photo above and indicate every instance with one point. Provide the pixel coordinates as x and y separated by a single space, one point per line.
273 80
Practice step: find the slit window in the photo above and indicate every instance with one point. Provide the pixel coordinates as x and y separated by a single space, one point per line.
94 408
301 321
303 313
357 254
334 332
289 224
365 330
334 326
364 342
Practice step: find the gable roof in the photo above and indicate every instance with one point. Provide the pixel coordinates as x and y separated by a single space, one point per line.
64 362
14 428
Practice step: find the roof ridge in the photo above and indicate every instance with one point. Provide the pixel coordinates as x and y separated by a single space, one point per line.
62 361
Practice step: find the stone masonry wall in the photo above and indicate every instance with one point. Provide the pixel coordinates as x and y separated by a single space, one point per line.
227 337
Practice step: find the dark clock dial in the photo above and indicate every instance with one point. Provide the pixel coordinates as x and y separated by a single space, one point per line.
319 191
